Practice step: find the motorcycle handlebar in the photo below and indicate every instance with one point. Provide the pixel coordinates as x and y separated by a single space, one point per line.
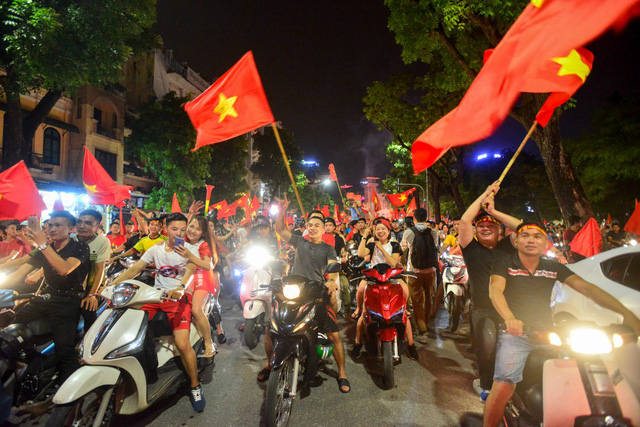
17 297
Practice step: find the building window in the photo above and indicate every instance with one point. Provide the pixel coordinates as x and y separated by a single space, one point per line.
97 115
114 121
51 147
109 162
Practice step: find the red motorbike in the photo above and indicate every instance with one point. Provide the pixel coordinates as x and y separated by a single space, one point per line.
385 316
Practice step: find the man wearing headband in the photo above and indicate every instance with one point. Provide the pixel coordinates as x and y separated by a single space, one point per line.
520 290
480 247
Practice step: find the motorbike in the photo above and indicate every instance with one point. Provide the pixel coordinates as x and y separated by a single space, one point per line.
572 381
455 280
353 270
117 267
385 317
298 346
255 293
128 361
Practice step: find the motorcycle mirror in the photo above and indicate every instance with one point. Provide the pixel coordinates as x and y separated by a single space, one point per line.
334 267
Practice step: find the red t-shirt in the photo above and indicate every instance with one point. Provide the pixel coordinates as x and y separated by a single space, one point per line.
14 245
203 279
116 240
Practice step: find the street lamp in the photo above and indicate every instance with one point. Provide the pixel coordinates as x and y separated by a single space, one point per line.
326 182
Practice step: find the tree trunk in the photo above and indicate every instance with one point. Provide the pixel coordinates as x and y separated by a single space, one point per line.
36 117
12 142
566 186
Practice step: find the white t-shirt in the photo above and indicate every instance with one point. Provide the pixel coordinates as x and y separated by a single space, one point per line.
170 267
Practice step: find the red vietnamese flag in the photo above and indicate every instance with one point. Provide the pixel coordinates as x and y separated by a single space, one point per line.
588 241
101 188
233 105
219 206
332 173
633 225
336 214
243 202
411 207
544 32
400 199
325 211
609 218
175 205
403 213
396 214
207 198
255 205
19 197
375 199
228 210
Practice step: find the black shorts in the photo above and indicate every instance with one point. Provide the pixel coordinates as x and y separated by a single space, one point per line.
327 320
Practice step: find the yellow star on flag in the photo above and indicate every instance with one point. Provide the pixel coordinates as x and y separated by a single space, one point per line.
225 107
402 198
537 3
91 188
572 64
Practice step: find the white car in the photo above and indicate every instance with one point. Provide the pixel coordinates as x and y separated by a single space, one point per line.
616 271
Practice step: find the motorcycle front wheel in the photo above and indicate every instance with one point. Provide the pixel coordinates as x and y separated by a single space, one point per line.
252 330
456 305
83 412
279 403
387 359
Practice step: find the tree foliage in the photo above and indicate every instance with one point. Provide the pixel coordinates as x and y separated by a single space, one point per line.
311 195
161 140
606 157
58 46
269 166
448 38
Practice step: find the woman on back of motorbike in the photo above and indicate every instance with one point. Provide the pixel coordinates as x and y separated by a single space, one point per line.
204 283
381 250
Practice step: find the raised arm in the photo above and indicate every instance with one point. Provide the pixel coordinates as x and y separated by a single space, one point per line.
465 229
281 228
62 266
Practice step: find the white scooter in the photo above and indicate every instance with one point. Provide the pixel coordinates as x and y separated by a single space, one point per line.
255 293
120 353
455 280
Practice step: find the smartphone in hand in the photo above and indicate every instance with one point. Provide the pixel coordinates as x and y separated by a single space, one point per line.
34 223
179 241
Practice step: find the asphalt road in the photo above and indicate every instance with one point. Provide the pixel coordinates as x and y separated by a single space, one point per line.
434 391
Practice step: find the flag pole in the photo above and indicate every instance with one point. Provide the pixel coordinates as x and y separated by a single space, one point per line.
344 206
515 156
286 164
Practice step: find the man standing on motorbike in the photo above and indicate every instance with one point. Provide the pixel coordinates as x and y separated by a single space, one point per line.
520 290
312 256
99 253
478 237
65 263
174 272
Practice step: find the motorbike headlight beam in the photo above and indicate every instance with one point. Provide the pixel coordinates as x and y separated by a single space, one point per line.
590 341
291 291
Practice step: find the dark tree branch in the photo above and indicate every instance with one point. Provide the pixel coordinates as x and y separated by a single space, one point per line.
38 114
487 28
453 50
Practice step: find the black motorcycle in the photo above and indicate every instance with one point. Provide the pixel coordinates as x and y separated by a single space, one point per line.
298 346
353 269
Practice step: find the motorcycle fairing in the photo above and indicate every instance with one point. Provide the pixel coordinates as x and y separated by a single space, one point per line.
284 348
381 273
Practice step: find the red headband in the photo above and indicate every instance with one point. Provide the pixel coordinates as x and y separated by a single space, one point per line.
385 222
486 218
531 227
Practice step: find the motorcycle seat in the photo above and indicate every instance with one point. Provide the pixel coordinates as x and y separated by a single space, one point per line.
159 325
39 327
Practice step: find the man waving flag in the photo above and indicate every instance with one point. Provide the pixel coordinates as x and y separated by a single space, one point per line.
233 105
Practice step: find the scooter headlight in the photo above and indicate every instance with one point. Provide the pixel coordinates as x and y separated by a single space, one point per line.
123 293
590 341
291 291
258 256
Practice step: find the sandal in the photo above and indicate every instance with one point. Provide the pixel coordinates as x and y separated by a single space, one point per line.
355 314
343 382
209 354
264 375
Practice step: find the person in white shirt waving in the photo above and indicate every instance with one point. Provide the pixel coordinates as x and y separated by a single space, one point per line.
173 273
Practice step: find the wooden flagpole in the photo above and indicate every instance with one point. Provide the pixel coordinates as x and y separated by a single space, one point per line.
286 164
515 155
344 205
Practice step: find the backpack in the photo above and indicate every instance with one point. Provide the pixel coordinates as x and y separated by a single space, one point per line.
423 250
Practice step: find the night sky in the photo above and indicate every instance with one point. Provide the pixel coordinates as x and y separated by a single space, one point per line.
316 60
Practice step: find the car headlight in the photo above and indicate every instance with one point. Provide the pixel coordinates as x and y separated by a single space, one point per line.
633 242
291 291
123 293
590 341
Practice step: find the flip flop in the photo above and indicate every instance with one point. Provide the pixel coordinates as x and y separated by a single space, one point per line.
264 375
343 382
355 315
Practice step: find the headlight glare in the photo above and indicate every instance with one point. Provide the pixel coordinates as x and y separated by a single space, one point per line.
590 341
258 256
291 291
554 339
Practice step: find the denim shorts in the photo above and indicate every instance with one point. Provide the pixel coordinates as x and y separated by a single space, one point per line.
511 355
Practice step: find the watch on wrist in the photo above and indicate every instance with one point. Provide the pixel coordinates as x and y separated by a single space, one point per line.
42 247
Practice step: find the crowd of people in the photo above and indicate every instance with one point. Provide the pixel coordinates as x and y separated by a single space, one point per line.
510 276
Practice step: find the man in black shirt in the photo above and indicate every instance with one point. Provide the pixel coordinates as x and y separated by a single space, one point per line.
480 247
616 237
65 263
520 290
